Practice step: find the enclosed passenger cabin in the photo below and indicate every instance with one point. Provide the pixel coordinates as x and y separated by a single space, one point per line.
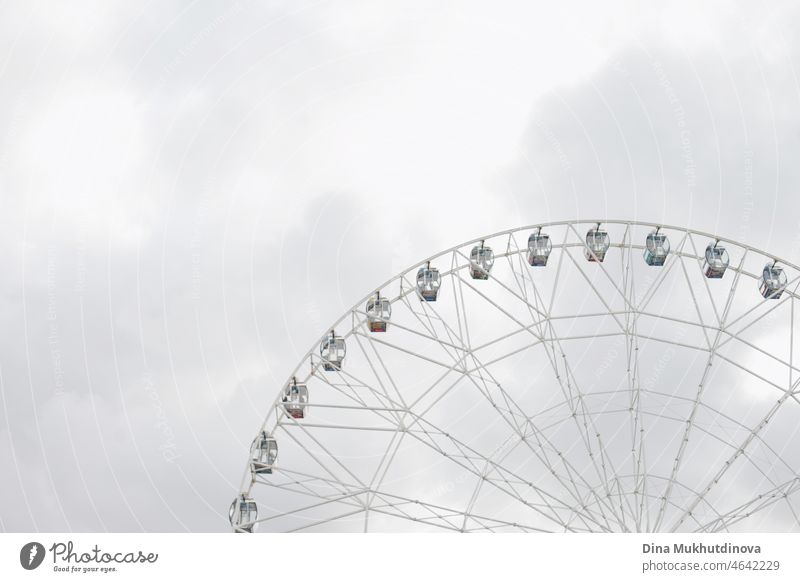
773 281
379 312
597 243
428 282
295 398
656 248
263 454
332 351
539 247
716 261
481 260
243 514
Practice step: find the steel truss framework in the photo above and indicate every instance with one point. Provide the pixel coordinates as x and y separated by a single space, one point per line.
580 396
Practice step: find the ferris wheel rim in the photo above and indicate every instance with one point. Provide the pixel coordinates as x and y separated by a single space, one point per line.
309 355
513 230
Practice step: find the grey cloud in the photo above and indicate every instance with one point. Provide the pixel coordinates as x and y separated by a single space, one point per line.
212 254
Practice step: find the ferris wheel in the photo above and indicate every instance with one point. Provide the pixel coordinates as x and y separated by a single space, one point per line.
569 376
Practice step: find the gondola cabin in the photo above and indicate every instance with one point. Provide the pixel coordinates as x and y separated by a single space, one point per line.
295 399
243 514
263 454
332 351
379 312
481 260
656 249
773 281
716 261
597 243
539 247
428 282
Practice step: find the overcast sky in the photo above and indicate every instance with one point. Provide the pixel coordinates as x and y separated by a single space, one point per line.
192 191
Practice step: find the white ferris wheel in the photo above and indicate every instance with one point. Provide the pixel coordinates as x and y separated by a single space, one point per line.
569 376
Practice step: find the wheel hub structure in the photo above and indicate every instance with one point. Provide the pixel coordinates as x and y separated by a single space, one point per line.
570 376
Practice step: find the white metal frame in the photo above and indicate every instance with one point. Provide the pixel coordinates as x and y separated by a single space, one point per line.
589 490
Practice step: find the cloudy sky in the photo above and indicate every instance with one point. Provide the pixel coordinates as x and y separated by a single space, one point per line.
192 191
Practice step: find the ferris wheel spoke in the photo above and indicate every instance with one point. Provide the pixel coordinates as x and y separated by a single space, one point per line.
701 386
739 366
334 479
651 497
381 394
443 512
463 281
426 336
458 365
511 354
466 373
650 293
572 477
623 328
348 388
305 485
566 391
343 499
622 295
513 422
774 461
758 503
429 326
705 327
431 314
632 369
473 498
723 316
760 310
383 389
403 516
448 370
386 411
546 510
546 324
579 408
568 482
712 435
738 451
481 369
463 332
448 367
387 372
596 292
494 464
322 448
382 470
508 489
730 337
522 327
434 518
575 401
326 520
339 495
559 264
536 308
393 427
791 368
436 512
